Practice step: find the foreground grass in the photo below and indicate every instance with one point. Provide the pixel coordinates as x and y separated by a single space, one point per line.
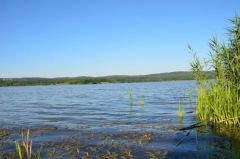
218 101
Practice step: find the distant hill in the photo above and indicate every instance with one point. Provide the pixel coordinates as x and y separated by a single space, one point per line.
170 76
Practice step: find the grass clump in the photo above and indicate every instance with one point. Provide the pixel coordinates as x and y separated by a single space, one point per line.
218 101
26 147
24 150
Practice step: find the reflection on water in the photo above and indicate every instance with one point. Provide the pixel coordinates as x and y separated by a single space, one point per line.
180 121
111 109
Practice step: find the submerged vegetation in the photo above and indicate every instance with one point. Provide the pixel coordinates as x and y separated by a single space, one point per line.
218 101
124 145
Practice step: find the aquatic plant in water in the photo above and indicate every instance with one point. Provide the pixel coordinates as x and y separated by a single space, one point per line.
130 94
19 150
190 97
24 150
180 111
25 147
141 102
218 101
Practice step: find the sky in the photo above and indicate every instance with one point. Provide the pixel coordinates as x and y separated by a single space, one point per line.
68 38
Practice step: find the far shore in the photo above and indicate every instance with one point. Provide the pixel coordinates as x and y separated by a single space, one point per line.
162 77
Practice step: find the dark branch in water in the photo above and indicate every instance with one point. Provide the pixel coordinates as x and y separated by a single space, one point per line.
192 126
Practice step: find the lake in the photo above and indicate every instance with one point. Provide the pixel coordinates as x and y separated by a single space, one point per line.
99 120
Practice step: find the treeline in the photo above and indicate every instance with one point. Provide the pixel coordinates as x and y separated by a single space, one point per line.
172 76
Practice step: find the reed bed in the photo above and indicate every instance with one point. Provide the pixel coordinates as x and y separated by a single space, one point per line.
218 100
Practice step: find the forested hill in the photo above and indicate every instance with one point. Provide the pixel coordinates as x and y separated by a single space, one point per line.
171 76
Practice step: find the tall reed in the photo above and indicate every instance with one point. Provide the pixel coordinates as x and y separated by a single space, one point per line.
218 100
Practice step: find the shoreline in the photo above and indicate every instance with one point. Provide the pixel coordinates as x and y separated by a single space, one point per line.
63 84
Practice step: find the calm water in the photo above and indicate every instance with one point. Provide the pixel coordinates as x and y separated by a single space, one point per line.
106 109
96 106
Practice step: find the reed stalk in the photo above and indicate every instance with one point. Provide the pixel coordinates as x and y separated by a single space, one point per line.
180 111
141 102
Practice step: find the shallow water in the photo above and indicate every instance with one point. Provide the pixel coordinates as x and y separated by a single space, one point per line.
105 110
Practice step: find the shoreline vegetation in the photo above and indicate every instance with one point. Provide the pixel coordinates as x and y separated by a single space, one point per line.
170 76
218 101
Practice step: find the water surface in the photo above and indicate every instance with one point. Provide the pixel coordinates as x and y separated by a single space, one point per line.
106 109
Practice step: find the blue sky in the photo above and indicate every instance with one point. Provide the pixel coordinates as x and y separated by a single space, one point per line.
56 38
